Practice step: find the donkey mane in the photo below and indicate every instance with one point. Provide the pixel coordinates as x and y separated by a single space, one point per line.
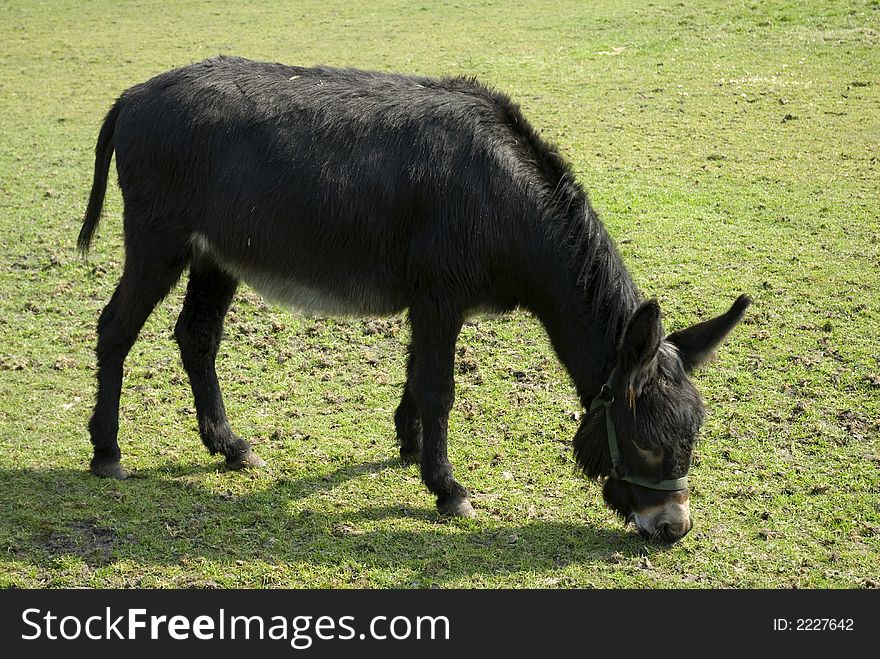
569 216
528 144
608 286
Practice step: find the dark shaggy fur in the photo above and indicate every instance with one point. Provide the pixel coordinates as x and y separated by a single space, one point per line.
341 191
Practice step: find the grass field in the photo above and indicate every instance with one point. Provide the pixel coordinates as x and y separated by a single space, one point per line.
730 147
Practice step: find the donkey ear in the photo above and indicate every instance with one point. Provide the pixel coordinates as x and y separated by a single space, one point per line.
697 343
638 347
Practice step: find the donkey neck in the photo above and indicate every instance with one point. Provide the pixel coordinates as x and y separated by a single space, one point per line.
584 296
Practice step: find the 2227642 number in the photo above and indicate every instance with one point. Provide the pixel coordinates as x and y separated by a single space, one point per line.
822 624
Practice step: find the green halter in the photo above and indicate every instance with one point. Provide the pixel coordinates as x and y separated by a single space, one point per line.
604 399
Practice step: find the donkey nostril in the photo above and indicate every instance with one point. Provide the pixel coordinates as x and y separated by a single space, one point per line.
672 532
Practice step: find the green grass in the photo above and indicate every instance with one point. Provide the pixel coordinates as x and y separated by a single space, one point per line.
729 146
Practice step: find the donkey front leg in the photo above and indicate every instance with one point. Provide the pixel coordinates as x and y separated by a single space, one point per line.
432 387
198 331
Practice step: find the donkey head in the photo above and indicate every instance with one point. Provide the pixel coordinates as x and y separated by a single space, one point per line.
652 412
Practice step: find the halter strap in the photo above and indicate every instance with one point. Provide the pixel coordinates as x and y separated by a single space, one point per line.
605 398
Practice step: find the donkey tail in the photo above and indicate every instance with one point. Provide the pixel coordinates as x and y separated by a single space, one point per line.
103 154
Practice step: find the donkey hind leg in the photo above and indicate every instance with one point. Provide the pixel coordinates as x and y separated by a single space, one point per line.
407 421
434 334
198 332
145 281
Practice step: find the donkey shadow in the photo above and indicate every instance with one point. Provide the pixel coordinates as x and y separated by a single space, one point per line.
164 517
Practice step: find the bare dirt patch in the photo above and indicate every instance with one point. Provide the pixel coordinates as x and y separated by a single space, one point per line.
82 538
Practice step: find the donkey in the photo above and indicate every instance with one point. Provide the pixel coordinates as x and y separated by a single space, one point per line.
341 191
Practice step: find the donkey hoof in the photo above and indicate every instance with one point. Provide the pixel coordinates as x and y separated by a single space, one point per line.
456 508
109 470
413 457
247 460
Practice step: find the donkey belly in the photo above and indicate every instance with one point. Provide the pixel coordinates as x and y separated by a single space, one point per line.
334 290
344 299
